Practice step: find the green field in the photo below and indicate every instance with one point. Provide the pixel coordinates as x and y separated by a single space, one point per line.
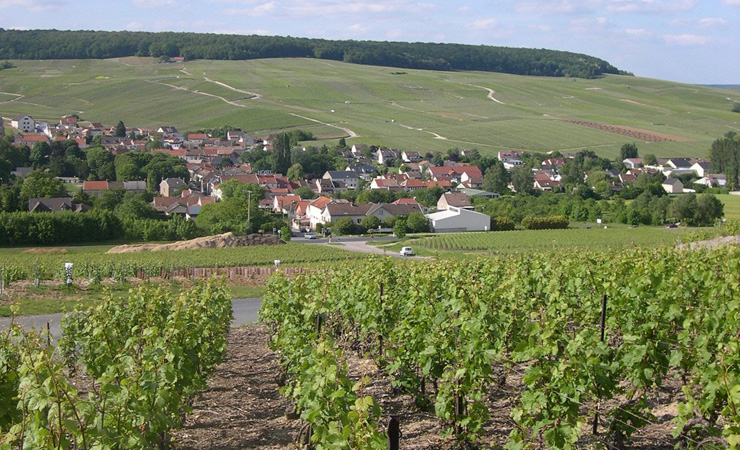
596 237
732 206
408 109
19 263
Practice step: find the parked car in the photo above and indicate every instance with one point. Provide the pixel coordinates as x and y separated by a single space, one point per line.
406 251
309 235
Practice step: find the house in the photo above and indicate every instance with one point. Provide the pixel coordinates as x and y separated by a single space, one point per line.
510 158
358 150
347 177
388 184
476 192
314 210
169 186
410 157
454 173
31 139
673 186
457 200
543 182
632 163
712 180
553 164
326 186
679 163
55 205
386 156
95 187
385 210
701 168
627 178
23 123
335 211
364 171
455 219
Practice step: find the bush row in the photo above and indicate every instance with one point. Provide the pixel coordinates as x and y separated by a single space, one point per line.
544 223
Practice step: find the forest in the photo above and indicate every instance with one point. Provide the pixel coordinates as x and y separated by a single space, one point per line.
56 44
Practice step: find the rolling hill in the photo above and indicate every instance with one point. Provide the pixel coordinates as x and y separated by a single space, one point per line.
408 109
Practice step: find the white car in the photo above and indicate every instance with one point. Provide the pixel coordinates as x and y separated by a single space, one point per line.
406 251
309 235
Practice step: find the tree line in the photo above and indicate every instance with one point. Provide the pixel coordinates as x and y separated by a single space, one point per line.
55 44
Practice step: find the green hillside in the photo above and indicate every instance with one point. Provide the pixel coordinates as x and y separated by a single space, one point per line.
408 109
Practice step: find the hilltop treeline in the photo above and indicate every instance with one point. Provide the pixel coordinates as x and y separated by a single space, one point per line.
54 44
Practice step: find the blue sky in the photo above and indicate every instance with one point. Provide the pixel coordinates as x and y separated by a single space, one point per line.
688 41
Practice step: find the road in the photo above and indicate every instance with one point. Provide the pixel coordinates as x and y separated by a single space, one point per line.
245 311
357 244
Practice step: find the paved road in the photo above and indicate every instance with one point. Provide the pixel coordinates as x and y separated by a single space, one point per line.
245 311
357 244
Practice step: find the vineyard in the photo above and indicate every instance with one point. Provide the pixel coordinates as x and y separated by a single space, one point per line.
96 265
596 238
585 344
123 375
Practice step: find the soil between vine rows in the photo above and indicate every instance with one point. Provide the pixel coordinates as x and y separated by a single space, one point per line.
242 408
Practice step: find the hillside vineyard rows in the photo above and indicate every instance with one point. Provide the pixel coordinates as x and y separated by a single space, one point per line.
123 375
452 334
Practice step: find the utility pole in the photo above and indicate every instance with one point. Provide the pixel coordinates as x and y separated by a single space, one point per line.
249 209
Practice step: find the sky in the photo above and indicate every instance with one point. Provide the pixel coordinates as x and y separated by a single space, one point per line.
689 41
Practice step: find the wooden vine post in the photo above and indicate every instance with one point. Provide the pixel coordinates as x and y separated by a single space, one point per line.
603 328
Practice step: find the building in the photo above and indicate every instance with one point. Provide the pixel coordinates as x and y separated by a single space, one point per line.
673 186
347 177
458 200
169 186
23 123
455 219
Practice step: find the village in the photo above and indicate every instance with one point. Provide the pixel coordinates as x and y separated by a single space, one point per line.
313 202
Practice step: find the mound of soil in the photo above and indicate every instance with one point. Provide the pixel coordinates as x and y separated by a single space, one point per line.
711 243
217 241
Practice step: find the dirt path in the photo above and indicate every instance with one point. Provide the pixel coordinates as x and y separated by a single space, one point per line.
491 92
180 88
242 407
253 95
349 132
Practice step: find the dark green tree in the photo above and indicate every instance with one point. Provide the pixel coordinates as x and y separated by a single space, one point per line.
522 179
41 184
627 151
281 153
295 172
416 222
120 129
496 178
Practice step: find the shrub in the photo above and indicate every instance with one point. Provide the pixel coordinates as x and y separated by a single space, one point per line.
502 224
545 223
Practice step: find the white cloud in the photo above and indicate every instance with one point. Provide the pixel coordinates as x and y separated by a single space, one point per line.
651 6
731 2
154 3
358 28
686 39
556 6
638 33
135 26
33 5
710 22
589 25
484 24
